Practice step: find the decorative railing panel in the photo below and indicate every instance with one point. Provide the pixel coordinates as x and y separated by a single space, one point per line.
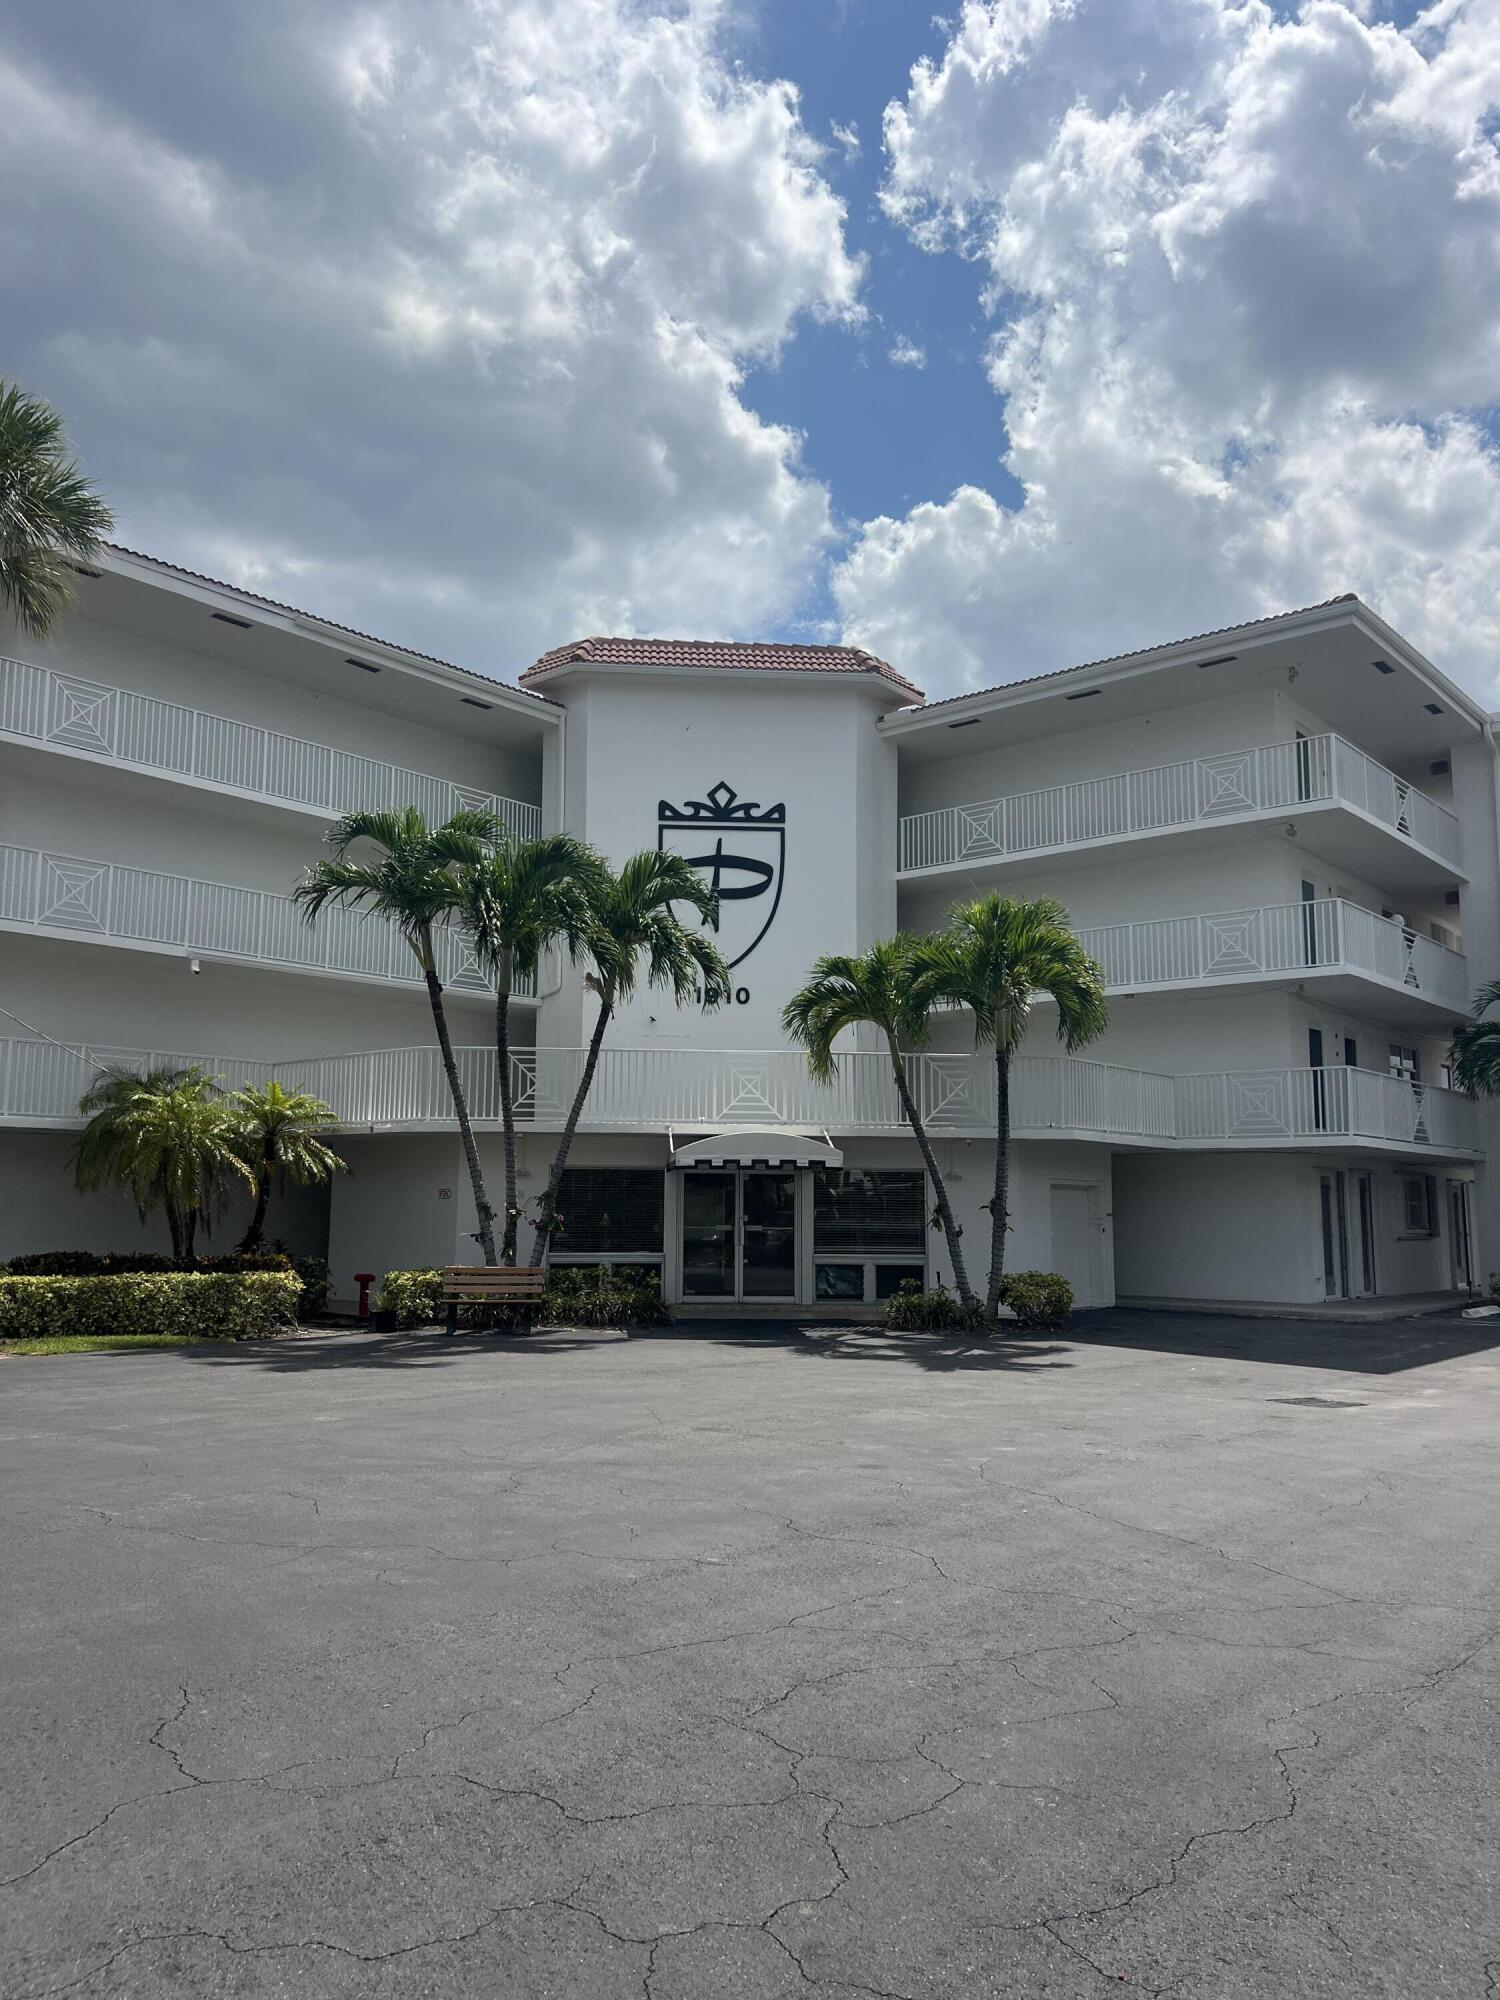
151 735
653 1089
58 892
1196 791
1297 938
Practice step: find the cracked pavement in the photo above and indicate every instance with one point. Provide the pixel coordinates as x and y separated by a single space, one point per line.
755 1668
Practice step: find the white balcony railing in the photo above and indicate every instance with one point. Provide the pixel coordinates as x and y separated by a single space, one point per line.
651 1089
70 713
1196 791
104 899
1268 1106
1297 938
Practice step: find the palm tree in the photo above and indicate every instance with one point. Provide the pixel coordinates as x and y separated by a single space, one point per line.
877 989
167 1138
415 887
49 514
277 1137
632 926
1475 1054
996 956
524 897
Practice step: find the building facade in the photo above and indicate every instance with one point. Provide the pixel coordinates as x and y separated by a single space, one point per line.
1279 842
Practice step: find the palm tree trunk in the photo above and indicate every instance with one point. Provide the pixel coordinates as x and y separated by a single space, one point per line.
507 1116
189 1235
461 1106
174 1228
951 1230
251 1240
543 1235
1000 1206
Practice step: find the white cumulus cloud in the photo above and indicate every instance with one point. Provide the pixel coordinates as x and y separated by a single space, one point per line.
1245 278
904 353
431 314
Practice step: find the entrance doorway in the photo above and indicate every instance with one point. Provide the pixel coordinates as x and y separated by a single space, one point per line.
739 1233
1346 1205
1077 1237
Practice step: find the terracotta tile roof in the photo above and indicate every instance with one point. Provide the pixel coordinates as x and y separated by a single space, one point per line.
718 653
1140 652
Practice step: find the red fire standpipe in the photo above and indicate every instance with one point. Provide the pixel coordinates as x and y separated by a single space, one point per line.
364 1279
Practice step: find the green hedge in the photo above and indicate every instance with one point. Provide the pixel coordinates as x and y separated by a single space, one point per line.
576 1295
1037 1298
313 1271
203 1305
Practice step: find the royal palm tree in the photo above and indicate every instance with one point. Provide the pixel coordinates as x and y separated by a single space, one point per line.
50 517
876 989
414 886
997 956
633 931
168 1138
522 899
277 1137
1475 1053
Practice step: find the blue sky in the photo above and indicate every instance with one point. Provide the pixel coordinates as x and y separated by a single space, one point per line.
486 323
885 436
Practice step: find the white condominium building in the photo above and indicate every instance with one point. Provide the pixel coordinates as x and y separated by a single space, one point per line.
1279 841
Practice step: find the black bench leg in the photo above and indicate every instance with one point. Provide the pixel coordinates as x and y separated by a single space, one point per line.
452 1317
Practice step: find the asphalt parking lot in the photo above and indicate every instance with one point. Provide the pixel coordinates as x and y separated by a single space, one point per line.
1159 1658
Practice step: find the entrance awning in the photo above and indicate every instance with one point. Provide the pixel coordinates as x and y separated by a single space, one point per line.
757 1146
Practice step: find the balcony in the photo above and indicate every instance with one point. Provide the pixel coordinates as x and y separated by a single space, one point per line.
138 733
650 1090
1337 944
1270 1108
1344 804
108 903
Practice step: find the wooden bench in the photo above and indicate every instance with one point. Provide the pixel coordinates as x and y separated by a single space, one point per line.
491 1284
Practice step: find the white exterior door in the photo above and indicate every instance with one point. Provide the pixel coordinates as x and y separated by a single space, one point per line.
1077 1231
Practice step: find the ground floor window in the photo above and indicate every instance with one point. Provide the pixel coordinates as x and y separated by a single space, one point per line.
609 1215
1418 1205
869 1233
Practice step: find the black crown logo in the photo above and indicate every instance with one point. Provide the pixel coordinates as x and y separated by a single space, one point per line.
722 807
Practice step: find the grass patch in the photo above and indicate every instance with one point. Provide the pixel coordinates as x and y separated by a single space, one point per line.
97 1343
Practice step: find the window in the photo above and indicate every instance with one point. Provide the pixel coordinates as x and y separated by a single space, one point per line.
1405 1062
1418 1205
610 1209
853 1210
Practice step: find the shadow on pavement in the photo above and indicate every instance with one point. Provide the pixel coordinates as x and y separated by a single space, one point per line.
1386 1348
820 1340
324 1353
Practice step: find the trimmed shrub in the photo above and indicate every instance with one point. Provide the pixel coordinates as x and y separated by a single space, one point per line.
199 1304
576 1295
120 1263
1037 1298
914 1311
313 1271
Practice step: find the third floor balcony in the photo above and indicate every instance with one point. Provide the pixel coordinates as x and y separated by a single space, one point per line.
136 732
1336 798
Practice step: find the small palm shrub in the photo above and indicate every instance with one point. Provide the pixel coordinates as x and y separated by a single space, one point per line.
1037 1298
914 1311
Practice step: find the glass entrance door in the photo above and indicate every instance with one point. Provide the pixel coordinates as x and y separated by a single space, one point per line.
739 1234
768 1235
710 1230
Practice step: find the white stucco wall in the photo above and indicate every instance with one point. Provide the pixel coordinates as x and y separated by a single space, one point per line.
41 1209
